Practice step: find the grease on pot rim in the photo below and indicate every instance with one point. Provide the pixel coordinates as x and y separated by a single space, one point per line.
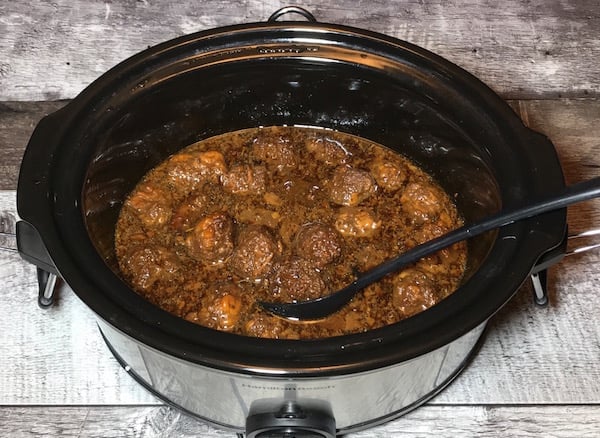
285 214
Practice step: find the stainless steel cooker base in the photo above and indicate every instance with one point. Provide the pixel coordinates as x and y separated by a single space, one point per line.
393 391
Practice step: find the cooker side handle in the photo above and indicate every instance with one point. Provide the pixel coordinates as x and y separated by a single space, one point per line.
33 203
32 249
553 231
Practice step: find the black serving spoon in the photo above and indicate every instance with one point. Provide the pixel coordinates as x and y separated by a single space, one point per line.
321 307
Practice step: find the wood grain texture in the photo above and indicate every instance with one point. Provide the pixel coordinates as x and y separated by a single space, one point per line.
17 121
538 372
572 125
54 355
428 421
522 49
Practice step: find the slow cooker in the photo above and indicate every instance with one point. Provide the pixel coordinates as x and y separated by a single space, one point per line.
82 161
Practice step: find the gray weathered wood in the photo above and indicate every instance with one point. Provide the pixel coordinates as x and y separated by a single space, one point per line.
429 421
55 356
572 125
538 372
537 48
17 121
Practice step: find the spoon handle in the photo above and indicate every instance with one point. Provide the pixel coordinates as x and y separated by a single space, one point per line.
321 307
571 194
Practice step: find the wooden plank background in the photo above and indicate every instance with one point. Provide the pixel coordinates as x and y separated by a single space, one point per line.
538 373
523 49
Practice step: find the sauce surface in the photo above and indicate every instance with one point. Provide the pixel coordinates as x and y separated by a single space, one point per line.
285 214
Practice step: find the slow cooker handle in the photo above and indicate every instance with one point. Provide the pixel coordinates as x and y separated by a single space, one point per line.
539 276
543 154
292 10
33 197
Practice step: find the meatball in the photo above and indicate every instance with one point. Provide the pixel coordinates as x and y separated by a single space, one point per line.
244 179
413 291
152 205
211 239
296 280
276 152
350 187
254 253
148 265
356 222
220 309
188 171
328 151
422 203
389 175
318 243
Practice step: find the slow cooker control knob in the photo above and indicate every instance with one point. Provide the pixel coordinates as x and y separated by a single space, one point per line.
290 409
291 418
